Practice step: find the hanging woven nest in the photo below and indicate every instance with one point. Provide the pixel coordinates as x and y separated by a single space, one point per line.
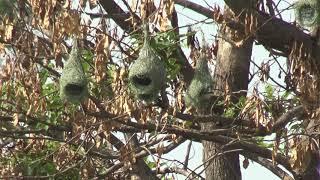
198 92
147 75
307 12
73 82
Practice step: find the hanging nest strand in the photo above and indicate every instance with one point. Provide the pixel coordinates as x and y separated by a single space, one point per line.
199 91
73 82
147 75
307 12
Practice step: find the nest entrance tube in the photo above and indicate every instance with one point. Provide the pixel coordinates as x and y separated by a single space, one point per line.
73 82
147 75
307 12
73 89
141 80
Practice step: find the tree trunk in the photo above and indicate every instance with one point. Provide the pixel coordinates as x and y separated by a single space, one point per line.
312 156
231 75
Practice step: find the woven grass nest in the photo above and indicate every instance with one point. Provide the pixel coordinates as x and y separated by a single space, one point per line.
7 7
307 12
73 82
147 75
199 90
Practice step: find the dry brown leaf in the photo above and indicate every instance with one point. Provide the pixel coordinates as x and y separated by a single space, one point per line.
67 4
83 3
100 67
29 110
239 43
8 31
102 44
15 119
71 22
147 7
249 105
160 149
93 3
245 163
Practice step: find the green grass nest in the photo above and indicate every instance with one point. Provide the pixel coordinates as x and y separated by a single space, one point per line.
199 90
147 75
307 12
73 82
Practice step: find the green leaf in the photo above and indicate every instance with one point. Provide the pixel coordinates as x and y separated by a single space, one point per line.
286 95
230 112
269 90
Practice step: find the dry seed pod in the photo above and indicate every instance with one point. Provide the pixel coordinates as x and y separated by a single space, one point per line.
73 82
307 12
198 92
147 75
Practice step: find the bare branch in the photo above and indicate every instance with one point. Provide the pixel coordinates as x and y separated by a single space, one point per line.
140 169
283 120
238 144
269 165
113 10
186 159
190 175
269 4
287 34
142 154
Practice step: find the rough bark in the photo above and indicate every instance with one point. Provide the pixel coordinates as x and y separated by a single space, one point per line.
311 161
232 70
139 169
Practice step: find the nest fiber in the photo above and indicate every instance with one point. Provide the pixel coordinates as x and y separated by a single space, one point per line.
147 74
7 7
200 88
307 12
73 82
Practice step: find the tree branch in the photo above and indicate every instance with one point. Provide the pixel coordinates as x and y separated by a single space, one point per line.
139 170
285 118
112 8
186 159
190 175
284 38
141 154
238 144
269 165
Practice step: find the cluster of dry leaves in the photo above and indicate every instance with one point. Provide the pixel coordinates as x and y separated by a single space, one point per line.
37 43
